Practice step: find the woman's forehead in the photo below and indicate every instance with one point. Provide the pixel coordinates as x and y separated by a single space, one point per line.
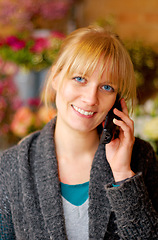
101 67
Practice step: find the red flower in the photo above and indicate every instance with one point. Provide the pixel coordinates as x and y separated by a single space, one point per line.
56 34
40 45
33 102
15 43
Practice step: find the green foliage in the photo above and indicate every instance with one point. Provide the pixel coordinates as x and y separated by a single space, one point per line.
145 61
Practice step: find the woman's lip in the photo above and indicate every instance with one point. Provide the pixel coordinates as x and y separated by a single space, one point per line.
83 112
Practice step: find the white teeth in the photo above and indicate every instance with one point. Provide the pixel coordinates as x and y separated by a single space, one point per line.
82 111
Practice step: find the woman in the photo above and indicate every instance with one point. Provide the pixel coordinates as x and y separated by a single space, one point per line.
62 182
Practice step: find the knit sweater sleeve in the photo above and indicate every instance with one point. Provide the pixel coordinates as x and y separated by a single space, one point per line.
6 224
135 201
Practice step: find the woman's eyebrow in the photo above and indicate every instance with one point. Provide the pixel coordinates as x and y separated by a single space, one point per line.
80 74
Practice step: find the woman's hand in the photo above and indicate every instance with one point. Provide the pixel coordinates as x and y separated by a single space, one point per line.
119 150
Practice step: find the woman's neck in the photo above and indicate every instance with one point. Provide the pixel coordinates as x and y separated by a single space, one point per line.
75 152
75 143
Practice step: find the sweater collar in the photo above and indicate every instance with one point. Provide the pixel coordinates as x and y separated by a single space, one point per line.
99 206
48 186
46 170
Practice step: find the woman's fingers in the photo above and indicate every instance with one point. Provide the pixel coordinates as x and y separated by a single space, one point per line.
125 123
124 118
128 129
124 106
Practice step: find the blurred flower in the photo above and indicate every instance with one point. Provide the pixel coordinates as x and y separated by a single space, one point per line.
146 122
33 102
31 117
40 44
22 120
59 35
7 68
15 43
46 114
30 14
8 100
148 106
60 9
151 129
32 52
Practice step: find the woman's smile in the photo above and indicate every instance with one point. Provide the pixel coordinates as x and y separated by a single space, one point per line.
83 112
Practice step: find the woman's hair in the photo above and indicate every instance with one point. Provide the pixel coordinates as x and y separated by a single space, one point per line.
83 49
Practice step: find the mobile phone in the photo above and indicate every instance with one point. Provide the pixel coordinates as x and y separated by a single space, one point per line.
109 128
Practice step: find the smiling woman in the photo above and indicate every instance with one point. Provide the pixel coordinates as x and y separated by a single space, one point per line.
81 100
85 48
63 182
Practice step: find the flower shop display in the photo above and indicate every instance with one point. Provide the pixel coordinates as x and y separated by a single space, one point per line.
17 118
29 15
31 52
31 117
9 102
29 46
33 55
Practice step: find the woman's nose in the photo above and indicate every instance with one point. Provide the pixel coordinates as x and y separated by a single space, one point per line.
90 96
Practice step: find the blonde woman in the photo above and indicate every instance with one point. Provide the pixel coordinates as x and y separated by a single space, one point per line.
63 182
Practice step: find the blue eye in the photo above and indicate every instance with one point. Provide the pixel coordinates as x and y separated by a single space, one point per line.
108 88
79 79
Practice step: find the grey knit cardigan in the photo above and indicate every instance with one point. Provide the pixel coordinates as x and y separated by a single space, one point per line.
31 203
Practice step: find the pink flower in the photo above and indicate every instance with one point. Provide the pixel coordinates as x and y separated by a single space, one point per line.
15 43
40 45
9 68
56 34
9 87
34 102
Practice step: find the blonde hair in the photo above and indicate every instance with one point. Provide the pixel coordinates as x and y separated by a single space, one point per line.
83 49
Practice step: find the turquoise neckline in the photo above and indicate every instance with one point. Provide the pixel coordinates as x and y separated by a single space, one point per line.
75 194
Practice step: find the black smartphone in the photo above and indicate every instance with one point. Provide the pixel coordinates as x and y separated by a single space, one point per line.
109 128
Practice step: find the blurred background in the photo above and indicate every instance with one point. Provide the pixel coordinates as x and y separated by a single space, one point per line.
31 33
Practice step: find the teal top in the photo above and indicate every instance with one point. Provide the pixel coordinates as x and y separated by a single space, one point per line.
75 194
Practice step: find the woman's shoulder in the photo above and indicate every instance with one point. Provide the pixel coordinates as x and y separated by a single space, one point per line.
142 147
9 156
30 144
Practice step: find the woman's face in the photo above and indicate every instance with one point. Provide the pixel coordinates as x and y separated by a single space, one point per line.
83 103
